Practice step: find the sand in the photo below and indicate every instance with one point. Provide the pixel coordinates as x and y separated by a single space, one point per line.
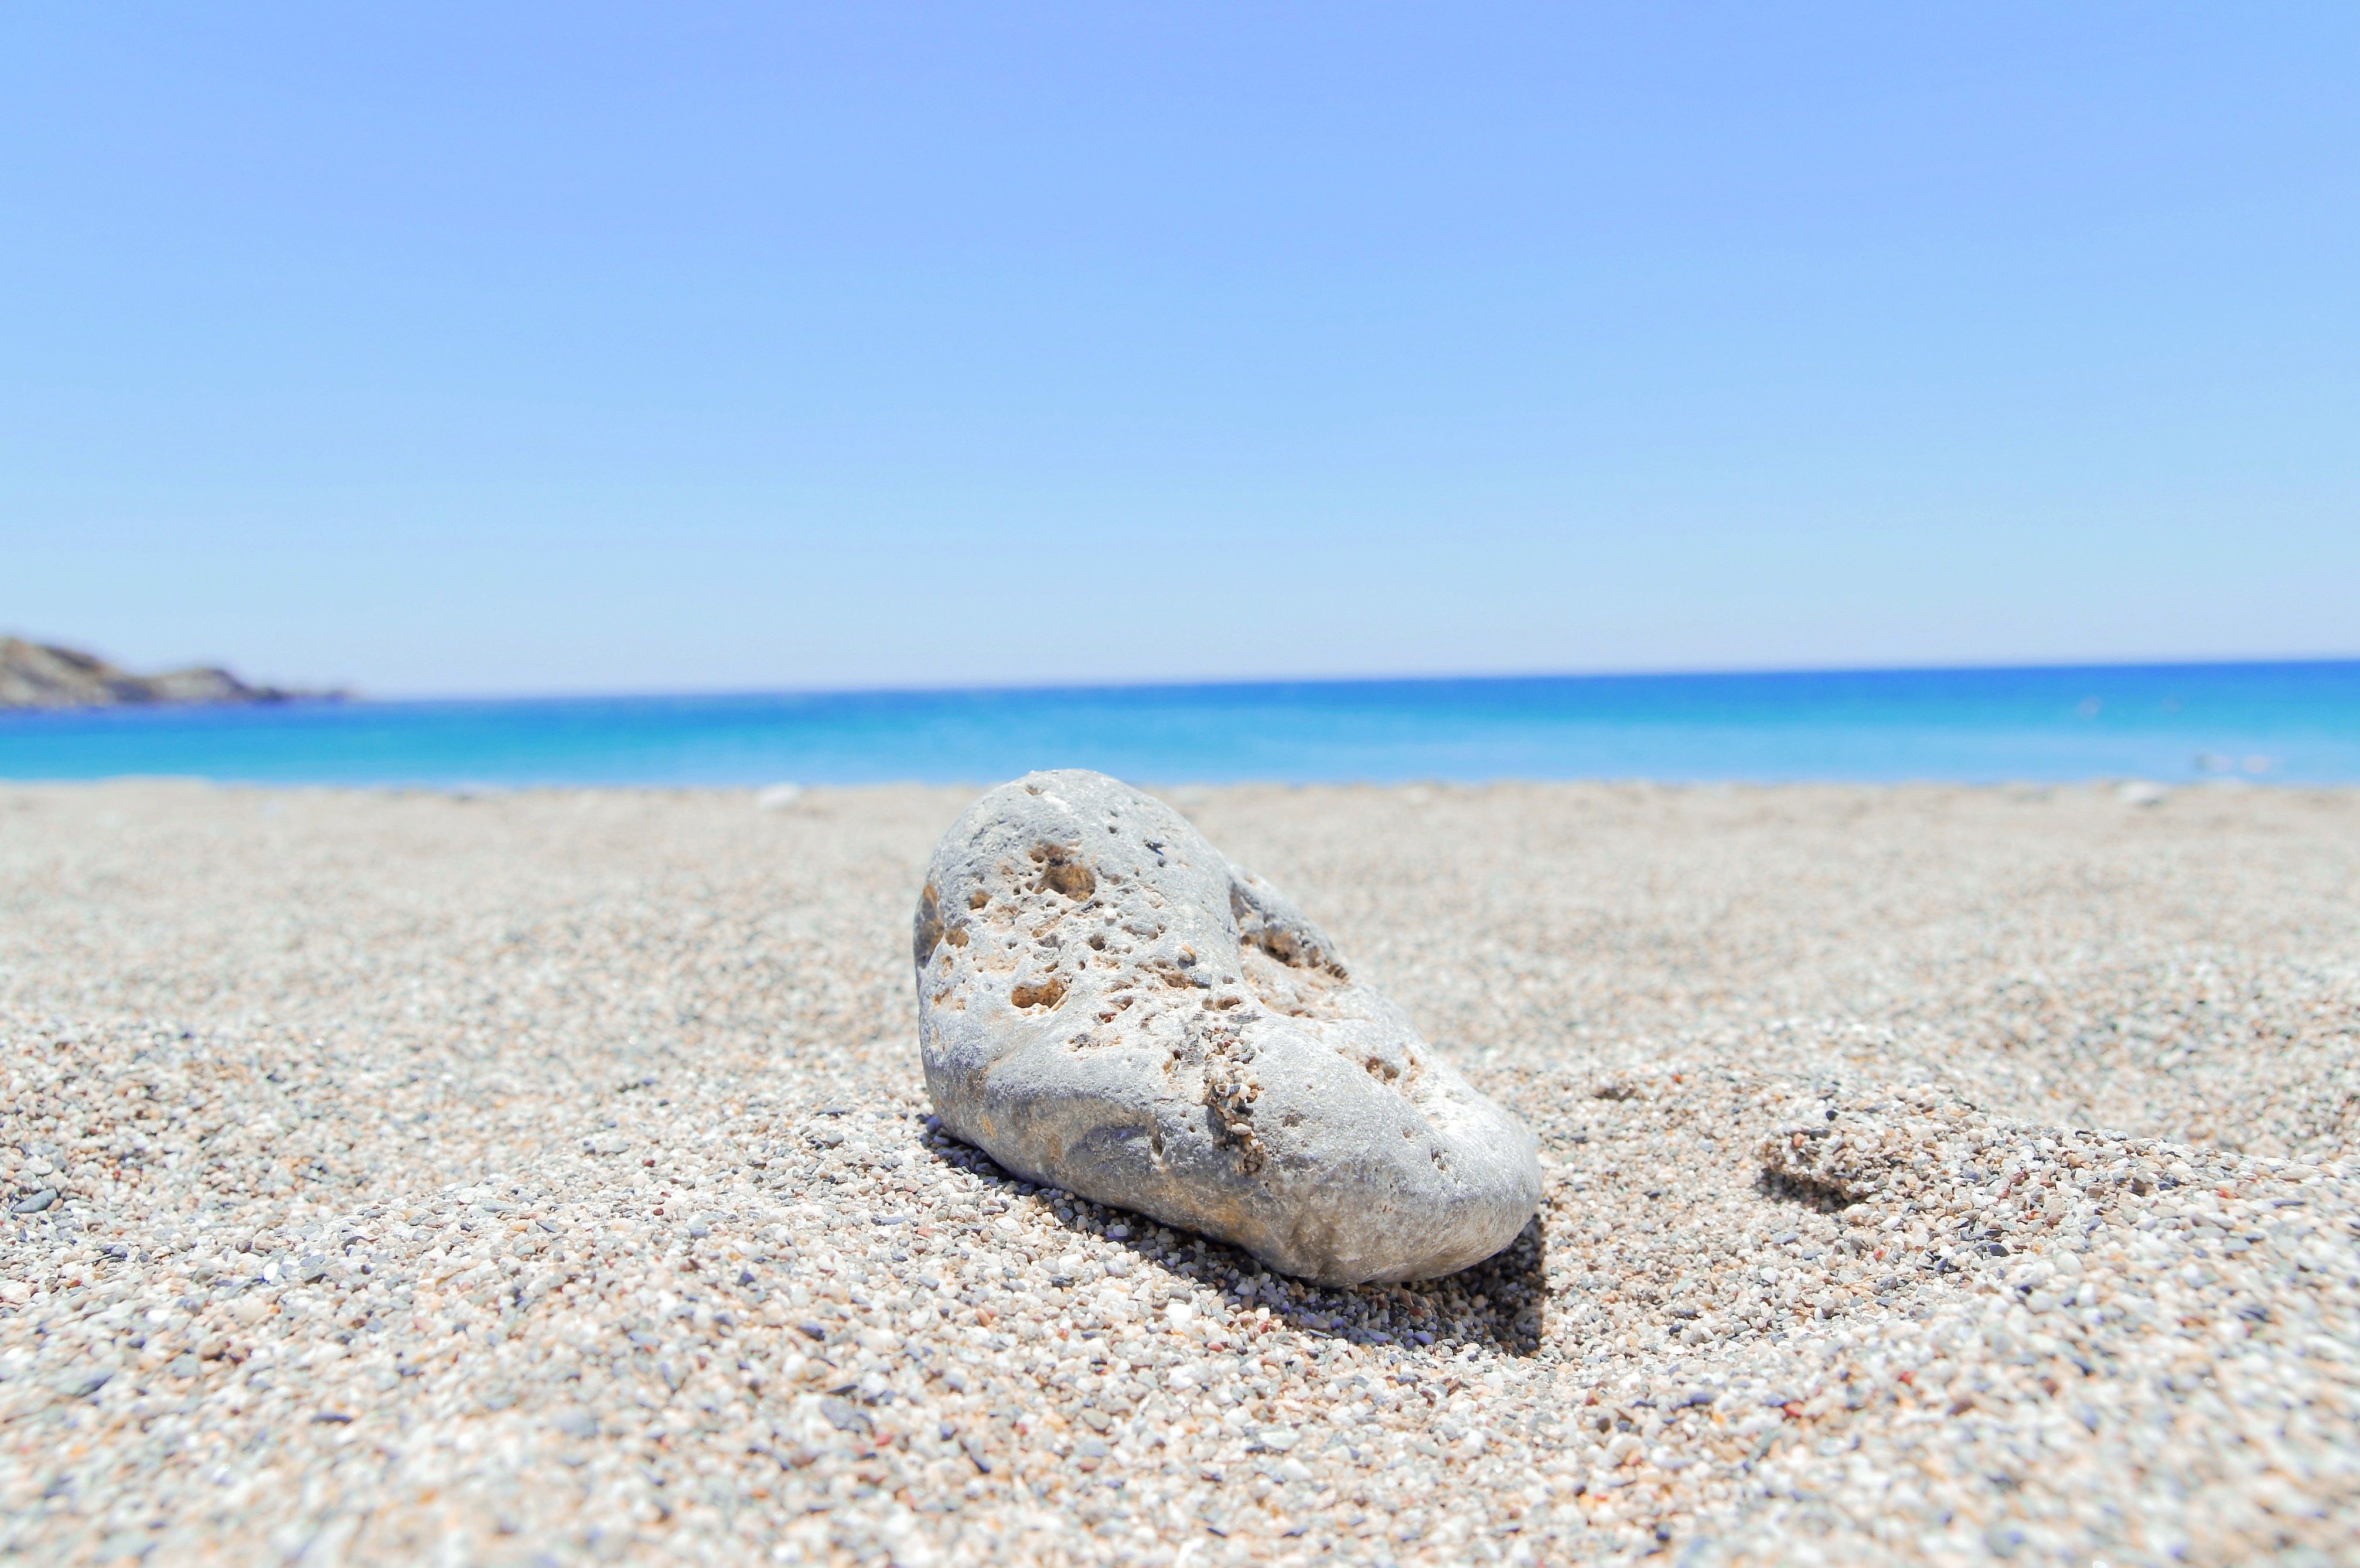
1935 1174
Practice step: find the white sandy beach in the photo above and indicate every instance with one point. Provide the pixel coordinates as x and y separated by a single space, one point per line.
1936 1174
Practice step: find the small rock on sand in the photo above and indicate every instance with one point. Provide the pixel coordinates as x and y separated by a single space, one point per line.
1108 1005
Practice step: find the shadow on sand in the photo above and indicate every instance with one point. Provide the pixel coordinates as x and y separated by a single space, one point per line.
1500 1304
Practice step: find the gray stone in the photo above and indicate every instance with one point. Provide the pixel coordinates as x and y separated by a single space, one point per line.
1108 1005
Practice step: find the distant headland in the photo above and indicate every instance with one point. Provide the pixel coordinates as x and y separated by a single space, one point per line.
38 674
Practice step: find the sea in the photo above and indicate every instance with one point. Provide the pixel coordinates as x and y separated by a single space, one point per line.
2283 723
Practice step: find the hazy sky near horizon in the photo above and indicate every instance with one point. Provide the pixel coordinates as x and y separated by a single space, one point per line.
593 347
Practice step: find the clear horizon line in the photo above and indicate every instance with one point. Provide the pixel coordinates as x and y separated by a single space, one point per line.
355 694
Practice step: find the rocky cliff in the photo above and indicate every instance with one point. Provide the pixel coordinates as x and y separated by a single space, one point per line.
36 675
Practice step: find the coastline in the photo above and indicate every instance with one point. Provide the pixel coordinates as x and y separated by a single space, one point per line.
39 677
2283 723
547 1168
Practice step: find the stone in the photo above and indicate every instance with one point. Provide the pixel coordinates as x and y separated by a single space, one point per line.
1107 1005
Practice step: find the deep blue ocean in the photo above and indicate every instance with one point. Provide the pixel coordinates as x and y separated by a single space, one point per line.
2269 722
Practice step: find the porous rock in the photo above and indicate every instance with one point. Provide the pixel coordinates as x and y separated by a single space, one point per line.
1108 1005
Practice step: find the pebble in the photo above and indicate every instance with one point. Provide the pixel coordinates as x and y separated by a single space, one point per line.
1931 1175
1108 1005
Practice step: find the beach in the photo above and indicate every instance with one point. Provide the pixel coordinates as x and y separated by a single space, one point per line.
1934 1173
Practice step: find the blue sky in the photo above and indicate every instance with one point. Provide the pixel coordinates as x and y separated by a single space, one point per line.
582 348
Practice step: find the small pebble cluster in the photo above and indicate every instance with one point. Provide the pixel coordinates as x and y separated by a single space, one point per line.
546 1179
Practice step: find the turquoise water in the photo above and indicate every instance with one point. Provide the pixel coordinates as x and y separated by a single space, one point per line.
2280 722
